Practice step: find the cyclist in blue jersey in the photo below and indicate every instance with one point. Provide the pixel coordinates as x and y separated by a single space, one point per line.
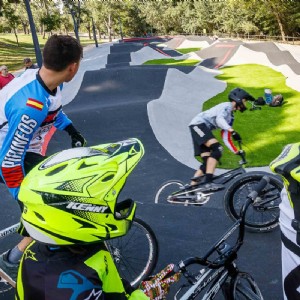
29 110
205 144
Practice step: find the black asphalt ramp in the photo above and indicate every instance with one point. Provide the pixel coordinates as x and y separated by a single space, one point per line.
215 56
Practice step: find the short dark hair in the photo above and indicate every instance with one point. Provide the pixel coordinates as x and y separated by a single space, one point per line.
60 51
26 60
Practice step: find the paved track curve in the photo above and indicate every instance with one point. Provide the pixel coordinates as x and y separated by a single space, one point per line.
112 104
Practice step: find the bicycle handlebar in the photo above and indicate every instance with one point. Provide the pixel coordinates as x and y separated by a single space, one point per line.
230 253
262 183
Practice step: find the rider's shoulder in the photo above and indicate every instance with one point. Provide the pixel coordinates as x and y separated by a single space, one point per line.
224 106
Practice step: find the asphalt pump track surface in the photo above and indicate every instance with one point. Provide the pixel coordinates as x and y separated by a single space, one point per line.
112 104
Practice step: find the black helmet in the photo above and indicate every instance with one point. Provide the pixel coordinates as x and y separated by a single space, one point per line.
237 95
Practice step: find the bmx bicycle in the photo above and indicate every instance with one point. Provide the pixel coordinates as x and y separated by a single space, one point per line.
220 271
262 216
135 254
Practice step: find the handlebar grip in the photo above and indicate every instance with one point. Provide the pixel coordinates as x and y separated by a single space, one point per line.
263 182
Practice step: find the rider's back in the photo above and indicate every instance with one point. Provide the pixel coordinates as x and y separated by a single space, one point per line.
60 273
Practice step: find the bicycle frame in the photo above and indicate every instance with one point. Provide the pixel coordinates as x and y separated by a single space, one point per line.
4 233
218 270
229 175
222 178
219 276
9 230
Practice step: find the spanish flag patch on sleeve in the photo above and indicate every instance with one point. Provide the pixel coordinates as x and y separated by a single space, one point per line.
35 104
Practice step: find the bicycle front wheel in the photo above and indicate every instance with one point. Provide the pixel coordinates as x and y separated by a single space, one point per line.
166 190
243 287
261 216
136 253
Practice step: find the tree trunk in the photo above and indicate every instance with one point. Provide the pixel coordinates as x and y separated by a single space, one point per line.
108 25
15 32
88 27
280 26
99 32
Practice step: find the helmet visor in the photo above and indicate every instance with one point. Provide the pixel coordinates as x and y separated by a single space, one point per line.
125 210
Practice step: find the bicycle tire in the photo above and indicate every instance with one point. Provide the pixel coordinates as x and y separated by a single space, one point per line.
166 189
244 287
259 217
136 253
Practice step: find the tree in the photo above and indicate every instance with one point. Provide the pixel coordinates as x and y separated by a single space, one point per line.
106 13
74 9
11 18
276 13
156 14
50 22
46 14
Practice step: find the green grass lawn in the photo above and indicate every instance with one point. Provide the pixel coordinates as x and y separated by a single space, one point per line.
12 55
187 50
171 61
264 131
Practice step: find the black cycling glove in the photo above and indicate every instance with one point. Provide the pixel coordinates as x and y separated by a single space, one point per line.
236 136
77 139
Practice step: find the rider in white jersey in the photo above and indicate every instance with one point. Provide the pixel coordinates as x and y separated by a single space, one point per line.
205 144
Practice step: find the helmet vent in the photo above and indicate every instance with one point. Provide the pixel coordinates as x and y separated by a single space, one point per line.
84 165
56 170
39 216
108 178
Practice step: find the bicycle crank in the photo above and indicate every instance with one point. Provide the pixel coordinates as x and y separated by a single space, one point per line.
188 199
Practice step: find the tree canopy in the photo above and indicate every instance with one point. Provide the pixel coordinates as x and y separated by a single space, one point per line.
135 17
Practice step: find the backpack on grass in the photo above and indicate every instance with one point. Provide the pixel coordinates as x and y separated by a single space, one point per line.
277 100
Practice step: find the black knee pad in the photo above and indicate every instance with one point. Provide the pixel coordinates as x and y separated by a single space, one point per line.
216 151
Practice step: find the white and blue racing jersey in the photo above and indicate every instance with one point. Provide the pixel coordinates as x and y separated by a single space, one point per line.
219 116
28 110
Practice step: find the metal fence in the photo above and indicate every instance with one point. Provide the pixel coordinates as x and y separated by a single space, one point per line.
260 37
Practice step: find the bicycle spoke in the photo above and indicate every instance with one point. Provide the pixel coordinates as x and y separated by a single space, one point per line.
135 254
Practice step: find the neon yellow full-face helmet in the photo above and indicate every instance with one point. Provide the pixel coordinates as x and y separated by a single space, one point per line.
71 197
